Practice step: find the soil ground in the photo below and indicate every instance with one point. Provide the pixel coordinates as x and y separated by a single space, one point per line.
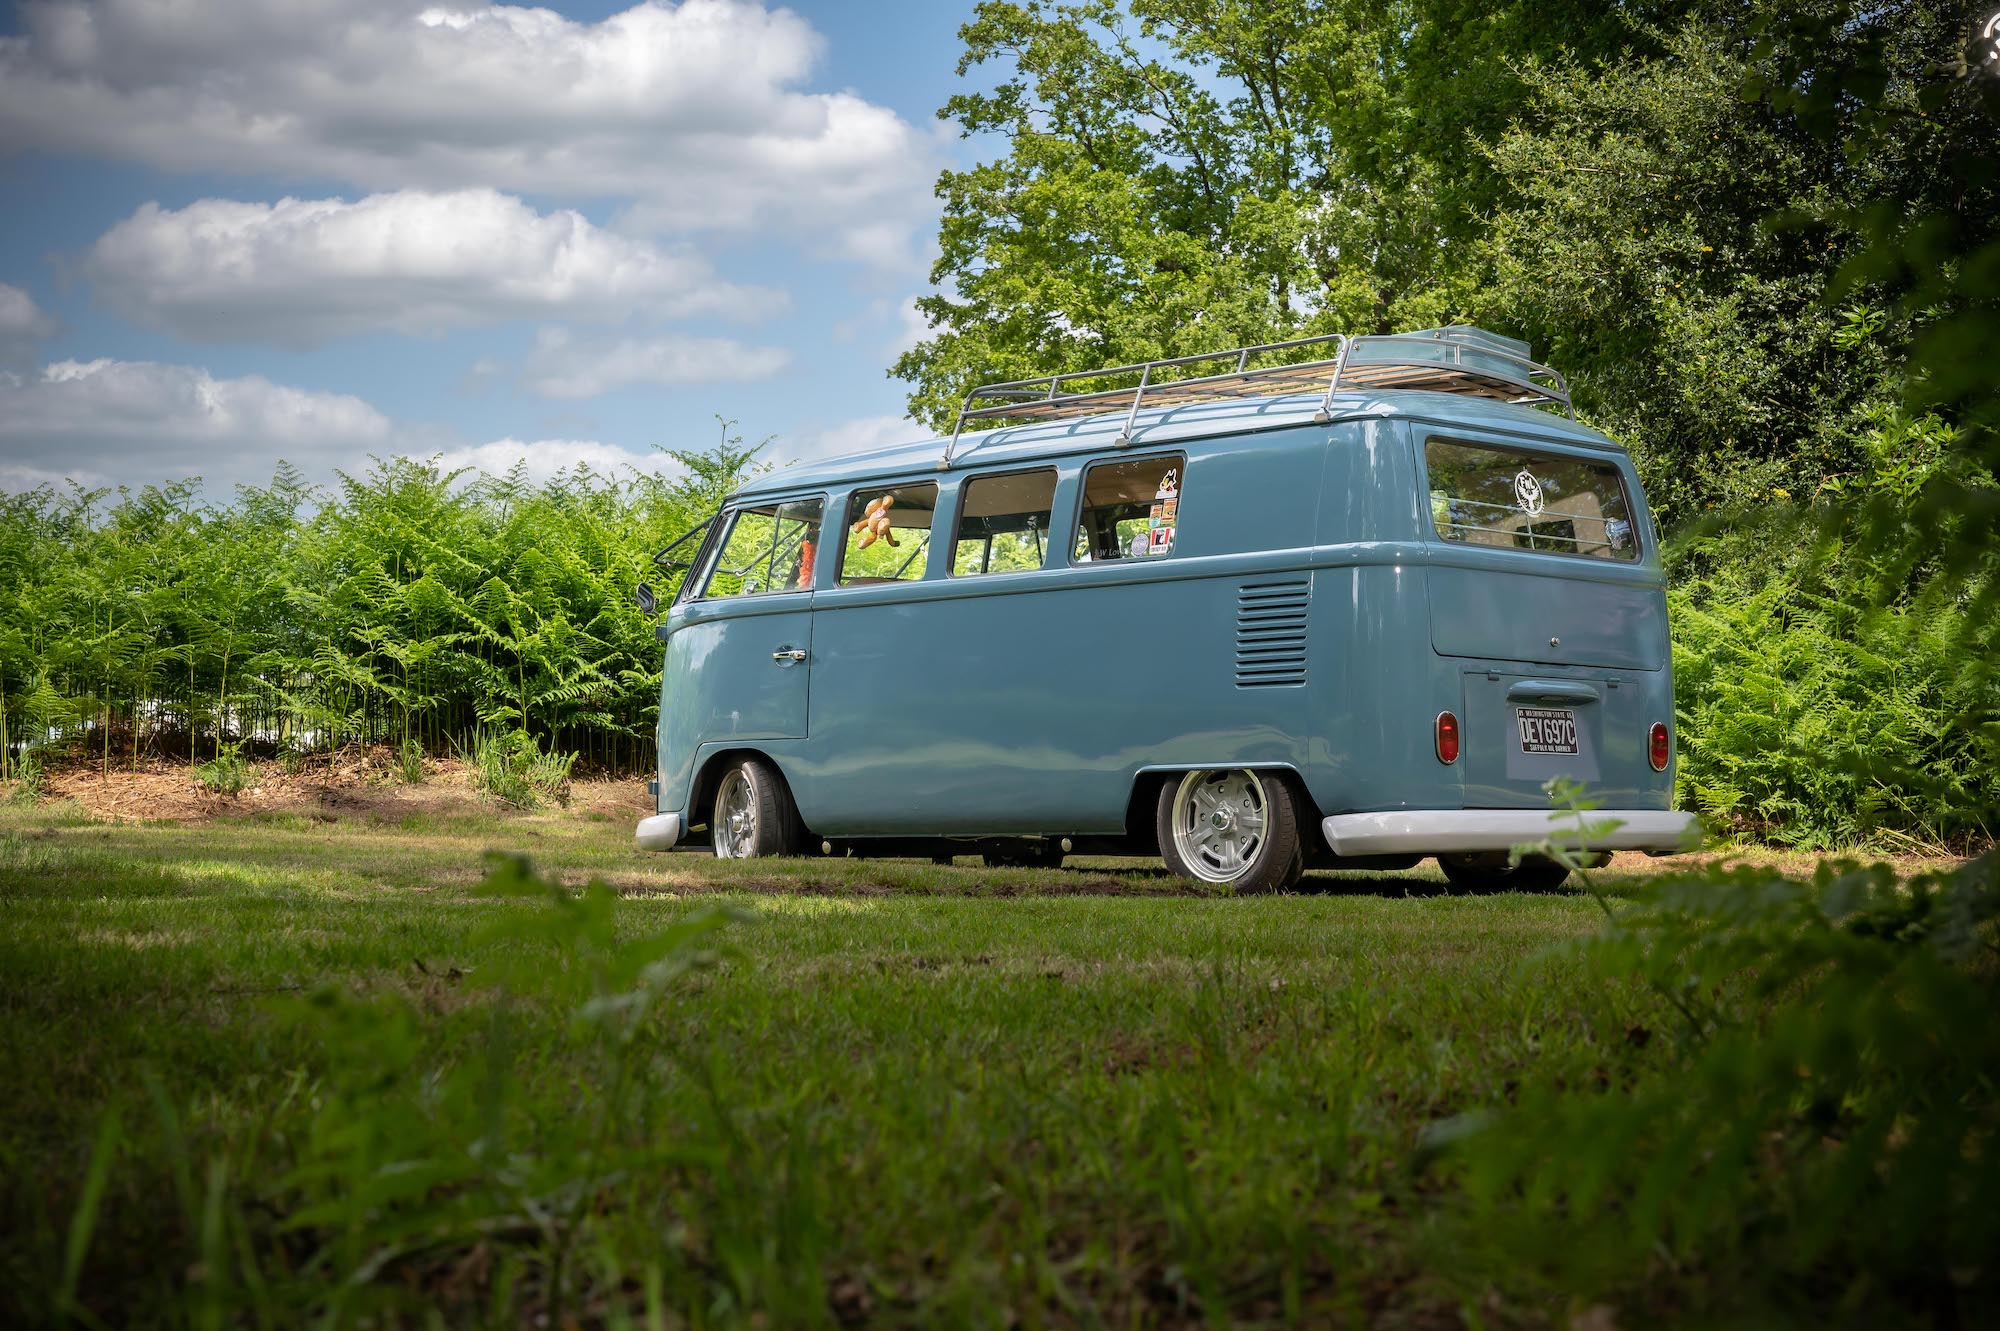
367 786
364 784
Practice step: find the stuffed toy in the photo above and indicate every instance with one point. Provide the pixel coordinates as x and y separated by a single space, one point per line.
874 524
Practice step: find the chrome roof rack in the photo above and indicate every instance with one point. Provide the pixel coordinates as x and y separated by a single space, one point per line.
1454 359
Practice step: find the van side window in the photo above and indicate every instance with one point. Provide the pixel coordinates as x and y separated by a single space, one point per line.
769 548
888 533
1130 509
1003 523
1522 500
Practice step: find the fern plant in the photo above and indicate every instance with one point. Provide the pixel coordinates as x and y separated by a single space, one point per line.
228 773
1822 1131
1831 691
512 768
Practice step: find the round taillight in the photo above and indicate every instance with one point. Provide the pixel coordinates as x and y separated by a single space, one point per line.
1659 746
1447 738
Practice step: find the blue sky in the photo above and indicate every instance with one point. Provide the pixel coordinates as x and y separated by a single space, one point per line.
235 230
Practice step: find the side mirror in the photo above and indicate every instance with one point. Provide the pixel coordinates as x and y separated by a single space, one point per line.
643 596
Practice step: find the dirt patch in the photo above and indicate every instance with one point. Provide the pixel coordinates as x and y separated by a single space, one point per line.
356 784
1791 863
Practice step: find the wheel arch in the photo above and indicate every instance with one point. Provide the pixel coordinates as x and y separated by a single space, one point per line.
1145 797
708 776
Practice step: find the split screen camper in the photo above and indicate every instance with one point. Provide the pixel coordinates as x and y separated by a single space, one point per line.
1248 612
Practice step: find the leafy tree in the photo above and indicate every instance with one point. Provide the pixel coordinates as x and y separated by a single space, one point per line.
1608 182
1183 177
1686 247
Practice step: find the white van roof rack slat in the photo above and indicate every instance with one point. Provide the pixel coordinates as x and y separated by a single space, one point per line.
1455 359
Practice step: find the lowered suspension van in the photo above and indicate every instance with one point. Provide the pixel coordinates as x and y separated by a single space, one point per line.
1251 613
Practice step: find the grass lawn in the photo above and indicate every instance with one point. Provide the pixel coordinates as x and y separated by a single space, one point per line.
261 1069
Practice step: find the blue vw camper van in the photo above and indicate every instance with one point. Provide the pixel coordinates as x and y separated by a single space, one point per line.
1251 613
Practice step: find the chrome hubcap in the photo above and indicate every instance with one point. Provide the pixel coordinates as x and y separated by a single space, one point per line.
735 818
1219 823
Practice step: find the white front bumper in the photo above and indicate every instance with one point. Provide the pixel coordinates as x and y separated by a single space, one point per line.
659 832
1450 831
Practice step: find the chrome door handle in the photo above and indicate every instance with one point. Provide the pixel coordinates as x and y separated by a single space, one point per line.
789 654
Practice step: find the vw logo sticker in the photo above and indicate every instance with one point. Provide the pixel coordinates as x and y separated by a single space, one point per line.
1528 492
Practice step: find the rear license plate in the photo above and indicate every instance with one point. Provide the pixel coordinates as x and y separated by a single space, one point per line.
1546 729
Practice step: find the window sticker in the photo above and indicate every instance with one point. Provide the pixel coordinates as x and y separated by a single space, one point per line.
1160 521
1528 493
1518 499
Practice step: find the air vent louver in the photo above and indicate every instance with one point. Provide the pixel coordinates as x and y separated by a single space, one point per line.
1271 633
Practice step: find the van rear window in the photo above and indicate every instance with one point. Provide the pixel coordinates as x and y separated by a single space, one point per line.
1522 500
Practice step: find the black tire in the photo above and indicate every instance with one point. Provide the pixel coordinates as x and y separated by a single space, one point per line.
764 823
1278 860
1026 855
1489 872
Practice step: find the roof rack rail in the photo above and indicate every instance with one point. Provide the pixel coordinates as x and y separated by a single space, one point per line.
1455 359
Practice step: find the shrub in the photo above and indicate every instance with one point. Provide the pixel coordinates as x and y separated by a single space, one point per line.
512 768
410 758
1832 690
225 774
27 787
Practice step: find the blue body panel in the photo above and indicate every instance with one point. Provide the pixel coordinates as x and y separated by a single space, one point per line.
1030 702
726 686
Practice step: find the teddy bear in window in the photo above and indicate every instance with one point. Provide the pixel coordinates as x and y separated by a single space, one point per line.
874 523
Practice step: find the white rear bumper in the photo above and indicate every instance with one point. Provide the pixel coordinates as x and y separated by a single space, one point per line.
1449 831
659 832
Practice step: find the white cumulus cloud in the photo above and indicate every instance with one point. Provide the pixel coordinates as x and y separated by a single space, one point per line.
863 434
541 459
912 326
302 271
110 422
22 324
563 365
699 114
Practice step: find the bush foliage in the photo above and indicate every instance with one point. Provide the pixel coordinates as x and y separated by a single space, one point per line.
1831 693
1823 1136
408 605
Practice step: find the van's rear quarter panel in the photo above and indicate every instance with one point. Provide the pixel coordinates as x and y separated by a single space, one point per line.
1375 682
1376 691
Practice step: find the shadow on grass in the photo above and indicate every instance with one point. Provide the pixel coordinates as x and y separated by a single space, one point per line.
1096 877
